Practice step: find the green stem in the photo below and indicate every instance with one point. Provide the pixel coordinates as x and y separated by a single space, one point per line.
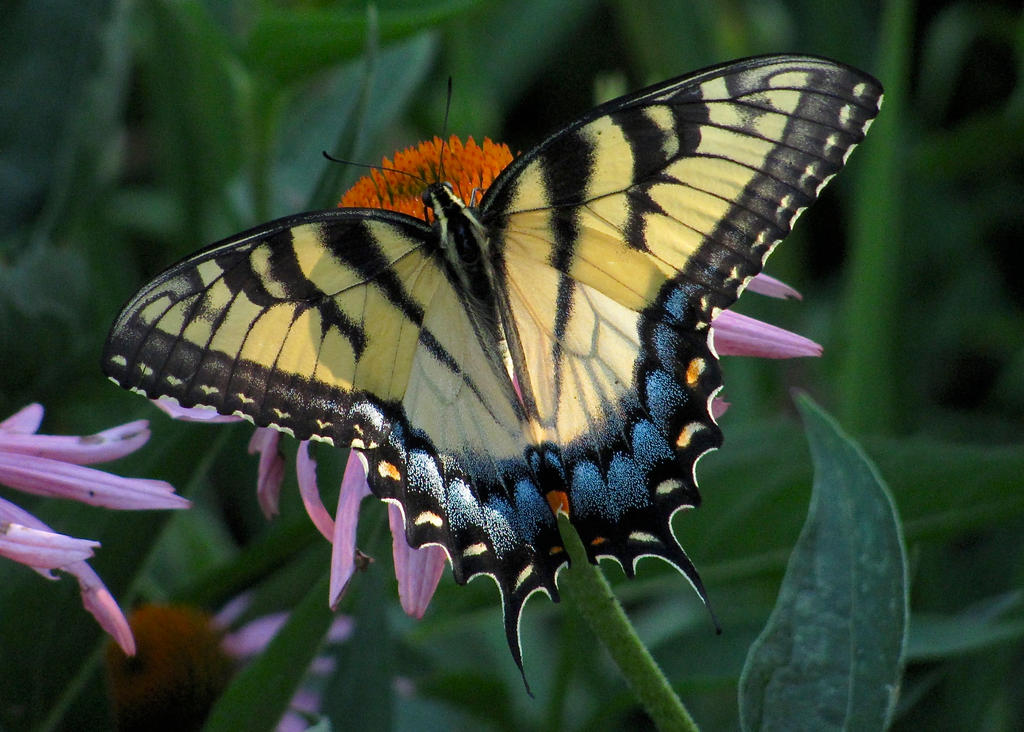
587 589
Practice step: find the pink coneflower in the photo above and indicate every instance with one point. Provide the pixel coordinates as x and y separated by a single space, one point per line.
52 466
187 657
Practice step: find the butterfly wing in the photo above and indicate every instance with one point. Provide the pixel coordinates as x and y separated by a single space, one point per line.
341 326
620 238
615 241
286 324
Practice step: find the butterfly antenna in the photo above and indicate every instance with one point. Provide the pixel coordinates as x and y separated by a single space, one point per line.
444 131
372 166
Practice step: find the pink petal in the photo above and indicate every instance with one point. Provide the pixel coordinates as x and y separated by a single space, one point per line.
17 515
25 421
293 721
232 611
270 473
53 478
305 700
99 448
322 666
42 549
718 407
763 284
97 600
305 469
341 629
418 570
741 335
404 687
10 513
354 489
253 637
304 705
194 414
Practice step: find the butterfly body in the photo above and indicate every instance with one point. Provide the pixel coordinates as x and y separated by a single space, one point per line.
462 244
547 350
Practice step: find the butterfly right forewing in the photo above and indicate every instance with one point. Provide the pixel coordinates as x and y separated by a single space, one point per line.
632 228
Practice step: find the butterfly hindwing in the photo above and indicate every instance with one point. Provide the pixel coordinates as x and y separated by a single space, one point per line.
621 476
494 514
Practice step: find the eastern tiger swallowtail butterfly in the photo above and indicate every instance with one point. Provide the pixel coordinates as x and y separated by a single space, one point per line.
546 350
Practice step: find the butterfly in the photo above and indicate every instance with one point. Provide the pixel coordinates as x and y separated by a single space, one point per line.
546 350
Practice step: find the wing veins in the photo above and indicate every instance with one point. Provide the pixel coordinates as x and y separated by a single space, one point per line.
390 266
520 232
215 324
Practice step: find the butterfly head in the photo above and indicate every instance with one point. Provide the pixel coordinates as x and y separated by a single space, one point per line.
458 227
442 199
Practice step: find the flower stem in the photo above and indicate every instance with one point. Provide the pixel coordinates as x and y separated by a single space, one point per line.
589 592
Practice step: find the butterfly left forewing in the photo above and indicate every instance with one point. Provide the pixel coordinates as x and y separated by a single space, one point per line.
274 324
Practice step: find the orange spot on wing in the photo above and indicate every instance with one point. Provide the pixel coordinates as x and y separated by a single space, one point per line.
559 502
387 470
693 371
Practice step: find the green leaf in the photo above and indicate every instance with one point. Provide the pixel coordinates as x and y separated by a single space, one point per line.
288 44
346 112
867 387
944 489
62 67
193 92
360 694
980 626
517 51
832 653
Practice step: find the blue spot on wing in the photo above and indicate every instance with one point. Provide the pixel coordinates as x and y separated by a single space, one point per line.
532 511
679 301
587 488
665 341
664 397
649 446
627 486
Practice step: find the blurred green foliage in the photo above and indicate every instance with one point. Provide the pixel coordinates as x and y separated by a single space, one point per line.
132 133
